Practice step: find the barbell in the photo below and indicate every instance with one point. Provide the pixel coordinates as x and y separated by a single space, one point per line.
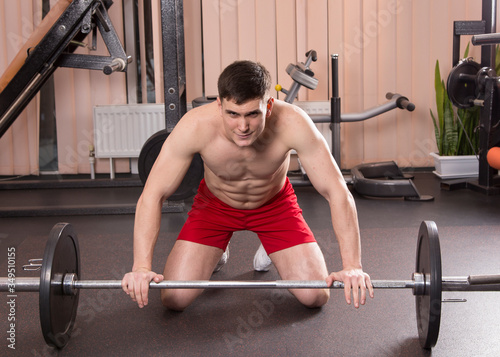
59 286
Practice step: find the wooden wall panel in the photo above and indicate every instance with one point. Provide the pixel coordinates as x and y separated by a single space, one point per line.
352 146
229 35
246 30
158 52
317 38
19 145
266 37
422 64
193 46
403 70
77 92
384 45
286 40
211 44
386 134
371 63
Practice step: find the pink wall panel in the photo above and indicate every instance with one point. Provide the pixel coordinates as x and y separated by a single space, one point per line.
352 145
211 44
19 145
422 64
384 45
404 63
229 34
369 40
265 36
247 24
286 40
77 92
317 39
385 20
193 46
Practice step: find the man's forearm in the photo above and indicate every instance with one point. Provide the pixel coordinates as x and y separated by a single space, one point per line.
146 230
346 228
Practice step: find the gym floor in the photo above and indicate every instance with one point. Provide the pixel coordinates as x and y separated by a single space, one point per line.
262 322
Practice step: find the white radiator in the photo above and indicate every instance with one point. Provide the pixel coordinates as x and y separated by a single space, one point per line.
122 130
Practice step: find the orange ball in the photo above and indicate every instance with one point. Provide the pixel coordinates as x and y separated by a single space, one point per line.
493 157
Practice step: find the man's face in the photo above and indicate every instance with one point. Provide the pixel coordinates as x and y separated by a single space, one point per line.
244 123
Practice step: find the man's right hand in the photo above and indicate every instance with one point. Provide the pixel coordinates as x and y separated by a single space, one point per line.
136 284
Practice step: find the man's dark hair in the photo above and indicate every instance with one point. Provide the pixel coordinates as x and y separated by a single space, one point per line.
242 81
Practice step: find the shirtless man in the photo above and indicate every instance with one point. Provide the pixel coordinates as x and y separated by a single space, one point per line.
245 139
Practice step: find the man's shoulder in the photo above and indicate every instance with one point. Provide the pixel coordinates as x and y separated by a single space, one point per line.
288 115
197 127
201 118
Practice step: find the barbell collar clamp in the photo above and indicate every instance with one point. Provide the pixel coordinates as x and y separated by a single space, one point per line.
68 284
454 300
418 283
33 265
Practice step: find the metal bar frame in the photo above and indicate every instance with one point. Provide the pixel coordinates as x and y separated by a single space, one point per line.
488 120
174 66
44 59
39 64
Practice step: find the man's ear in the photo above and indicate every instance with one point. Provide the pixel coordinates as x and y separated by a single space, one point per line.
270 104
219 103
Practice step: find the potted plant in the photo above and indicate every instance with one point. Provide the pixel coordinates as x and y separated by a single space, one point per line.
457 137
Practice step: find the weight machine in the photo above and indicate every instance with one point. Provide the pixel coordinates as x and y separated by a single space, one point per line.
52 46
477 84
383 179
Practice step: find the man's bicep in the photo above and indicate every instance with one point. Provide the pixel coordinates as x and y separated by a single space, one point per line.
315 157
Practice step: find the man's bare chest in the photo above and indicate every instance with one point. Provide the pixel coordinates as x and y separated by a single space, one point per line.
230 162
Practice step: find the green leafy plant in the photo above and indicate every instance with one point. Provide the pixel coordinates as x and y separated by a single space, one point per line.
453 137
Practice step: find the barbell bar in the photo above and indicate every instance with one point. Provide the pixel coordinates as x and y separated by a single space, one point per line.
58 285
70 283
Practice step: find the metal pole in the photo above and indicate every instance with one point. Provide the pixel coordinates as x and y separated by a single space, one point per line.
208 284
460 283
471 283
335 110
489 10
19 284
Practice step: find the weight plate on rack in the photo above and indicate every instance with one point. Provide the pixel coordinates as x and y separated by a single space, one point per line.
428 305
150 151
57 310
461 86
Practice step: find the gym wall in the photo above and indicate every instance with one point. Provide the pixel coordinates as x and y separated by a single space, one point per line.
384 45
76 91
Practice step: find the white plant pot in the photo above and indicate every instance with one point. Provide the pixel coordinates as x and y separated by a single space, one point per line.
448 167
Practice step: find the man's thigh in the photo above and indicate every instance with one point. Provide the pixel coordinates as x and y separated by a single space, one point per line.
191 261
188 261
300 262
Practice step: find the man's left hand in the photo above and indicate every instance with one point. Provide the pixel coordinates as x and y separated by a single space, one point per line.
354 280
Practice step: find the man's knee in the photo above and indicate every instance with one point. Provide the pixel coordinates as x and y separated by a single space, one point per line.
177 299
313 298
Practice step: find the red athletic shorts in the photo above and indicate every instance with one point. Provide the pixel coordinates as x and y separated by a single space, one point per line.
278 223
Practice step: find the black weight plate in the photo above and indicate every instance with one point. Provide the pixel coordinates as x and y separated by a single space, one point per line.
462 91
428 305
58 311
150 151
